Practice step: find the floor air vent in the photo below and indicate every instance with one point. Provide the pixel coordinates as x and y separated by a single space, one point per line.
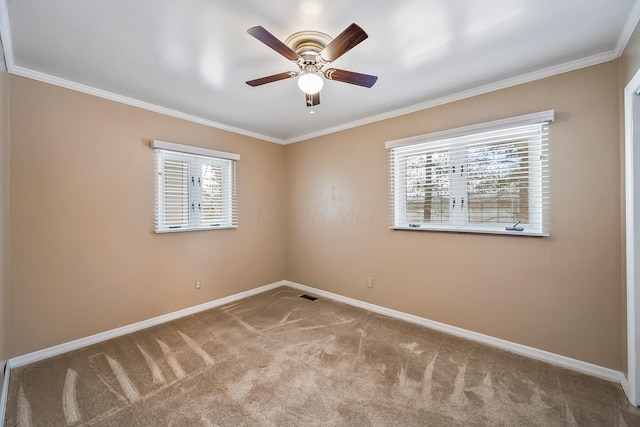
309 297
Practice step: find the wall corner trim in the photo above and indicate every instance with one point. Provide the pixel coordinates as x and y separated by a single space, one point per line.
626 386
5 393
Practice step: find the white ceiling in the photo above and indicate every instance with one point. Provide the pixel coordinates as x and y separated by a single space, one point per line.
191 58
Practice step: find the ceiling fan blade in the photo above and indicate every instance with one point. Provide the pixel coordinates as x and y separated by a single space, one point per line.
270 40
344 42
312 100
350 77
271 79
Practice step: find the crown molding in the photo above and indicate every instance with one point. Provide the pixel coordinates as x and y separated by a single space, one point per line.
481 90
623 39
503 84
628 29
90 90
5 35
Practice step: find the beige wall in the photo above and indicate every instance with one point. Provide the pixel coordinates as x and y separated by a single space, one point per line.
560 294
629 65
83 256
4 175
630 59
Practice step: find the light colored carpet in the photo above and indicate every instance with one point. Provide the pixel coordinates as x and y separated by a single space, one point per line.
276 359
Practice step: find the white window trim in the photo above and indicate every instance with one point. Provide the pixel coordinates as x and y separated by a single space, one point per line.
189 149
396 148
527 119
227 160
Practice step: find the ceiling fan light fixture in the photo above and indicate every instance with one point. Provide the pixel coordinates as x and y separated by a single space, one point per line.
311 51
310 83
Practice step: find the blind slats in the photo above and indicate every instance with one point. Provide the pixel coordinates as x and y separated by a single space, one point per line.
481 181
176 194
195 192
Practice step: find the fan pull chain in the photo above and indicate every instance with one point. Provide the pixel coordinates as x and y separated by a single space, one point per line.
310 102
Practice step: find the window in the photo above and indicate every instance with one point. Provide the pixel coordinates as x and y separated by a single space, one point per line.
487 178
195 188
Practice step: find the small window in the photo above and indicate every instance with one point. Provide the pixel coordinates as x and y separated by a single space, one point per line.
195 188
488 178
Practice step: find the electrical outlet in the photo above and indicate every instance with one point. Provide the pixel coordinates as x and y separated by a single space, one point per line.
369 282
197 284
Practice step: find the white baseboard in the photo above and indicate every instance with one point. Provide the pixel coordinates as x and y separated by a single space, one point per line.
113 333
134 327
5 393
567 362
534 353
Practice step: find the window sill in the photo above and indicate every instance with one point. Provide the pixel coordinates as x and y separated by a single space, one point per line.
179 230
470 231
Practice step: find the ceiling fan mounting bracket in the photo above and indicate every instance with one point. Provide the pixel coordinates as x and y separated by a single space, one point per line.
308 44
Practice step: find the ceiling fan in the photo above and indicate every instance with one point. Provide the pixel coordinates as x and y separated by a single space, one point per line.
312 51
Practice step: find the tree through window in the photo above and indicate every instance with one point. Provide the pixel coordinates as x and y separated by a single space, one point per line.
485 178
196 188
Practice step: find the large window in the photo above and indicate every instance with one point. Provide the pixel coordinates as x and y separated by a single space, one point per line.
195 188
490 178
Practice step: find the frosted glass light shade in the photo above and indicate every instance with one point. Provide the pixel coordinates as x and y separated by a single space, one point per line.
310 83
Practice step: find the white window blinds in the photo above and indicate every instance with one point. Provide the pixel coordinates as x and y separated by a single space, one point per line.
487 178
175 194
196 188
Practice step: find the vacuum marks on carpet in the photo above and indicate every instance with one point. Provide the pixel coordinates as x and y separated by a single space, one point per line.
279 360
